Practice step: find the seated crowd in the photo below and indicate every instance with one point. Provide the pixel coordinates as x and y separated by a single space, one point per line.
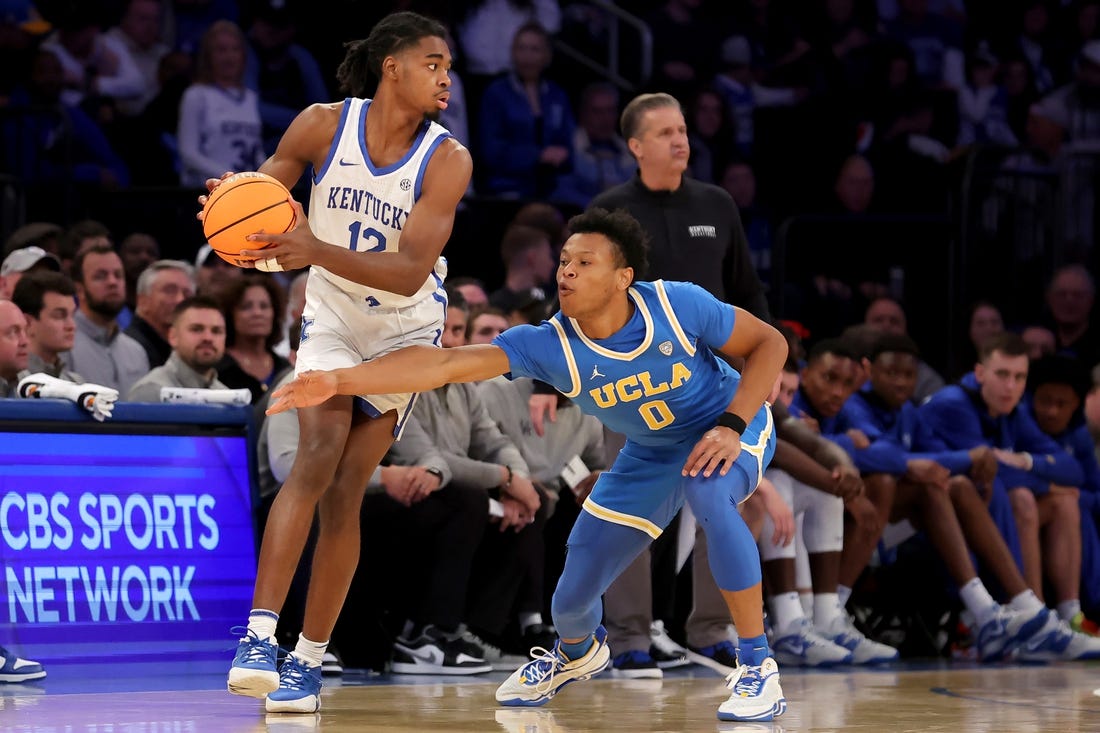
986 481
994 477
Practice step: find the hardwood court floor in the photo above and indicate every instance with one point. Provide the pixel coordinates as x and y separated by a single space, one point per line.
955 699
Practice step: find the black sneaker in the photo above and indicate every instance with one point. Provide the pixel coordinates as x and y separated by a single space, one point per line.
433 652
539 635
636 665
665 652
721 657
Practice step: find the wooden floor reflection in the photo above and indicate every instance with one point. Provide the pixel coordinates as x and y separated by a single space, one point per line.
970 700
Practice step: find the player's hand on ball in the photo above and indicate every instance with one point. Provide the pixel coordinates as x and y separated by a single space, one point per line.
291 251
719 446
306 390
211 184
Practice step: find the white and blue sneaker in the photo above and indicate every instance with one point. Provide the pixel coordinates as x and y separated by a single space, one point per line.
756 694
16 670
1057 641
254 673
543 677
843 633
299 688
799 645
1000 636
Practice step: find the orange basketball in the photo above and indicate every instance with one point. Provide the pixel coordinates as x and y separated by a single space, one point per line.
245 204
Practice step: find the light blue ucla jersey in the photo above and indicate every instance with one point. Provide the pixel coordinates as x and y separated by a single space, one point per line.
362 207
656 380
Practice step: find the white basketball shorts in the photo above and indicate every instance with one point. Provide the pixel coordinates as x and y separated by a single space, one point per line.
338 331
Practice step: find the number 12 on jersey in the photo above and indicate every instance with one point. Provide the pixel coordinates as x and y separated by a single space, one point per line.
368 236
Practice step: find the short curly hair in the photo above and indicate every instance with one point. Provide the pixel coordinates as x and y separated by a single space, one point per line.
623 230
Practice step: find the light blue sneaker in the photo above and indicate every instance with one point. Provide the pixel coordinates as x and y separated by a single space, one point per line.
800 645
299 688
844 634
537 681
1000 637
254 673
1056 641
13 669
755 694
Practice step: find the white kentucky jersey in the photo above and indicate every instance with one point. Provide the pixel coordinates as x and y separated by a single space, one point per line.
219 130
363 207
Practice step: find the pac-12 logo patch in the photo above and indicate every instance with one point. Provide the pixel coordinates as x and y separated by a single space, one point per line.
665 348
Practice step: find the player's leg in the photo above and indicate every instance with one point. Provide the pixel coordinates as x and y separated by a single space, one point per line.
628 507
334 562
598 551
1060 523
795 640
868 515
1090 569
323 433
1060 519
999 628
1025 510
735 564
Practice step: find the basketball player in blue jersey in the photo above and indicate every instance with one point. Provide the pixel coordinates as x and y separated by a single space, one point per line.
386 181
637 355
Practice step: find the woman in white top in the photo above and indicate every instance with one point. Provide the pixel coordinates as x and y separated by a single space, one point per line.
219 124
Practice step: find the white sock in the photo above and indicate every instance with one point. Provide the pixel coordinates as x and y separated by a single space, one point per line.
786 609
978 601
826 609
1068 609
843 593
807 601
1026 601
529 619
262 622
310 652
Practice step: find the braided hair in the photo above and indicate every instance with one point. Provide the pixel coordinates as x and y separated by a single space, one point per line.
393 33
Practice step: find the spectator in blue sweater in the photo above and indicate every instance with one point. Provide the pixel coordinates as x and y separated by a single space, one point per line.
955 521
526 123
1058 385
1036 479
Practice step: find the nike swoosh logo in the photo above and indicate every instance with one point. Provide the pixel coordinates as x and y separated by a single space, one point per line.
344 162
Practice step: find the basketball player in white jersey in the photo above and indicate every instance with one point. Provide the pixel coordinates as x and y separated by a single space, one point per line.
386 181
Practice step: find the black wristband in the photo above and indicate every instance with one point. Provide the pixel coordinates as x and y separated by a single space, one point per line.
736 423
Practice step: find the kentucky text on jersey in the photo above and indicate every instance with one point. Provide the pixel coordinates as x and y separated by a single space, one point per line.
365 202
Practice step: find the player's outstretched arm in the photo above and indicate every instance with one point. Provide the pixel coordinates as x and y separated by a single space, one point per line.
412 369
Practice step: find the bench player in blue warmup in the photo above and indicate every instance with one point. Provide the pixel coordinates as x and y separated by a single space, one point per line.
637 355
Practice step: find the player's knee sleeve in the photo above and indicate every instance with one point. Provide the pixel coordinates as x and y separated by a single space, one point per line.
598 552
734 560
823 522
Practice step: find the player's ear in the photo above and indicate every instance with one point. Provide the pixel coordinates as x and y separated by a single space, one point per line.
626 277
389 67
